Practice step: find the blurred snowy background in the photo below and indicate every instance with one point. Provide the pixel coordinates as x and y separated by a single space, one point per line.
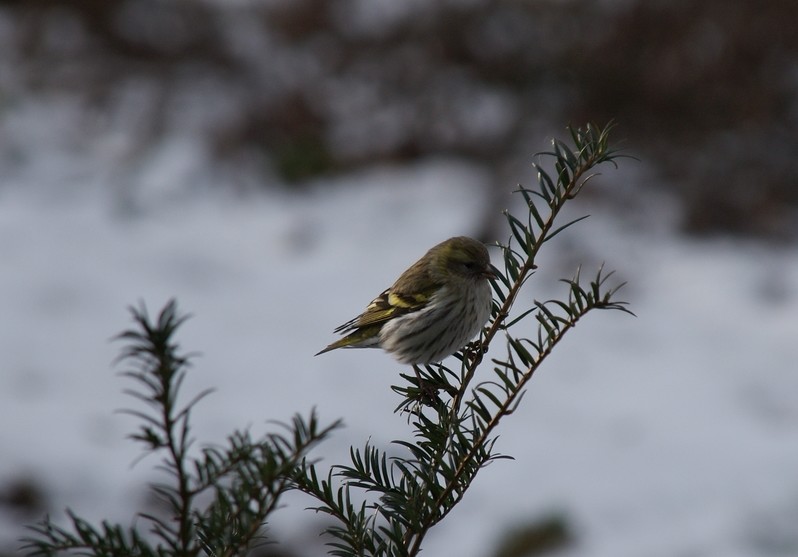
274 164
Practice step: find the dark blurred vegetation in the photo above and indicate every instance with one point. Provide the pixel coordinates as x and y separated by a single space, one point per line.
548 534
706 92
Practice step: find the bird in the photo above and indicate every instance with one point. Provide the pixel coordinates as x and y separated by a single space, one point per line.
433 309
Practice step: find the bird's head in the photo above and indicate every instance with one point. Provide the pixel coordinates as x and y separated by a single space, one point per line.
464 258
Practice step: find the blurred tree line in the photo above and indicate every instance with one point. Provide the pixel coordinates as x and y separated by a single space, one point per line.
707 92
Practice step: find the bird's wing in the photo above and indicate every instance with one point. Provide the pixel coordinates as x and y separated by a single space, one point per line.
411 292
385 307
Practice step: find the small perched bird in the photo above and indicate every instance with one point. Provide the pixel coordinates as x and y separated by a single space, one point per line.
432 310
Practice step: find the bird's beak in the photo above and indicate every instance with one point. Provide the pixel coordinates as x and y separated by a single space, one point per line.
490 272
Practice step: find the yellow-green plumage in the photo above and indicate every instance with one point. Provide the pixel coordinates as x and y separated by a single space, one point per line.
432 310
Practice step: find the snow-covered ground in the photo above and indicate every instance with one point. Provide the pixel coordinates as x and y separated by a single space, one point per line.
671 434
